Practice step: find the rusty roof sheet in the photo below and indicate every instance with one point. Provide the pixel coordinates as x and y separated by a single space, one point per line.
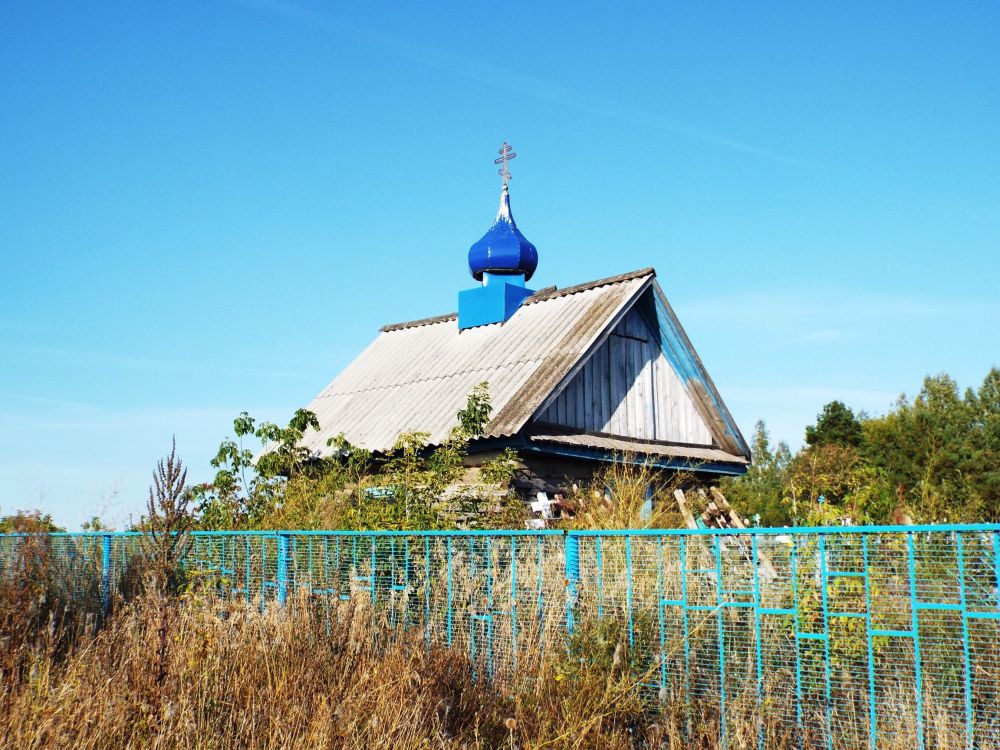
418 375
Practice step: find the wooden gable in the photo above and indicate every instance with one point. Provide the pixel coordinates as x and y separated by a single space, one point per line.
628 387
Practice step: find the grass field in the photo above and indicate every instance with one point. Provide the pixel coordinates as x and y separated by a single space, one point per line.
195 671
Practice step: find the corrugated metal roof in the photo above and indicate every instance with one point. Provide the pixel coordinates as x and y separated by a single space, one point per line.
626 445
418 375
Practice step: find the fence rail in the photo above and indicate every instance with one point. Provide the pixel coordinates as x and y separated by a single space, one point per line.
841 637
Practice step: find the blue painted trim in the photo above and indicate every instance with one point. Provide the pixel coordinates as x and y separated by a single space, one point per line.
915 628
825 604
607 456
872 710
247 561
600 577
679 352
720 624
427 593
450 590
659 614
281 574
794 564
513 599
793 531
572 563
755 561
996 562
986 528
541 597
106 573
472 629
686 626
966 662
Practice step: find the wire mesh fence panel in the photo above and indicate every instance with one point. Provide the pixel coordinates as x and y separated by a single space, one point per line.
859 637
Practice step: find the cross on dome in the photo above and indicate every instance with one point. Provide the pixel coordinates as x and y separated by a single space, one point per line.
506 154
503 250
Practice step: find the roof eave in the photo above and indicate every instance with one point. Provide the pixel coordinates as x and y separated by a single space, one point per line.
674 463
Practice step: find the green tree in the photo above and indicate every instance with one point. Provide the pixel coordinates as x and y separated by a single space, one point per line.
761 490
933 459
984 442
28 522
96 524
940 452
829 483
246 489
473 419
836 425
414 486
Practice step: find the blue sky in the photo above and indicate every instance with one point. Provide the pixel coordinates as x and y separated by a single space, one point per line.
207 207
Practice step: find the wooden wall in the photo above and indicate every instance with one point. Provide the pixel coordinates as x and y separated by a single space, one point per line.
629 388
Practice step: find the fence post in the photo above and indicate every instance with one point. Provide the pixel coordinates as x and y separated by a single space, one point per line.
106 573
571 549
915 634
282 571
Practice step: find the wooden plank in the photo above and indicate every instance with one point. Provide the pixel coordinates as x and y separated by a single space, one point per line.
674 422
634 417
662 398
610 393
624 381
647 392
630 424
685 511
668 401
638 392
612 386
622 368
606 387
684 410
630 323
724 504
595 394
595 421
594 339
642 397
625 367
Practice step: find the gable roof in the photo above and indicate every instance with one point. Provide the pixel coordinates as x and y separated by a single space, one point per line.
417 375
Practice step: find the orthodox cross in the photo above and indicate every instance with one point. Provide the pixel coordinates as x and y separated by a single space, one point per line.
506 154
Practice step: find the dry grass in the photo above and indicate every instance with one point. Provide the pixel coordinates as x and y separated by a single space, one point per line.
237 678
618 495
232 676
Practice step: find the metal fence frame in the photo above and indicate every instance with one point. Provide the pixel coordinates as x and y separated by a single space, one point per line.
863 612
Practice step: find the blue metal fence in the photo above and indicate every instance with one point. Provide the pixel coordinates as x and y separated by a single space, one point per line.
841 637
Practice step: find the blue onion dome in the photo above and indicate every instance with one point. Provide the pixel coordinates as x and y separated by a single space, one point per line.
503 249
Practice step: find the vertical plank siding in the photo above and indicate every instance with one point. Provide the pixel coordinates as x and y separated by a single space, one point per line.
629 388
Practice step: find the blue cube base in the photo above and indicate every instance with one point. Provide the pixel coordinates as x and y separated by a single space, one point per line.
495 302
